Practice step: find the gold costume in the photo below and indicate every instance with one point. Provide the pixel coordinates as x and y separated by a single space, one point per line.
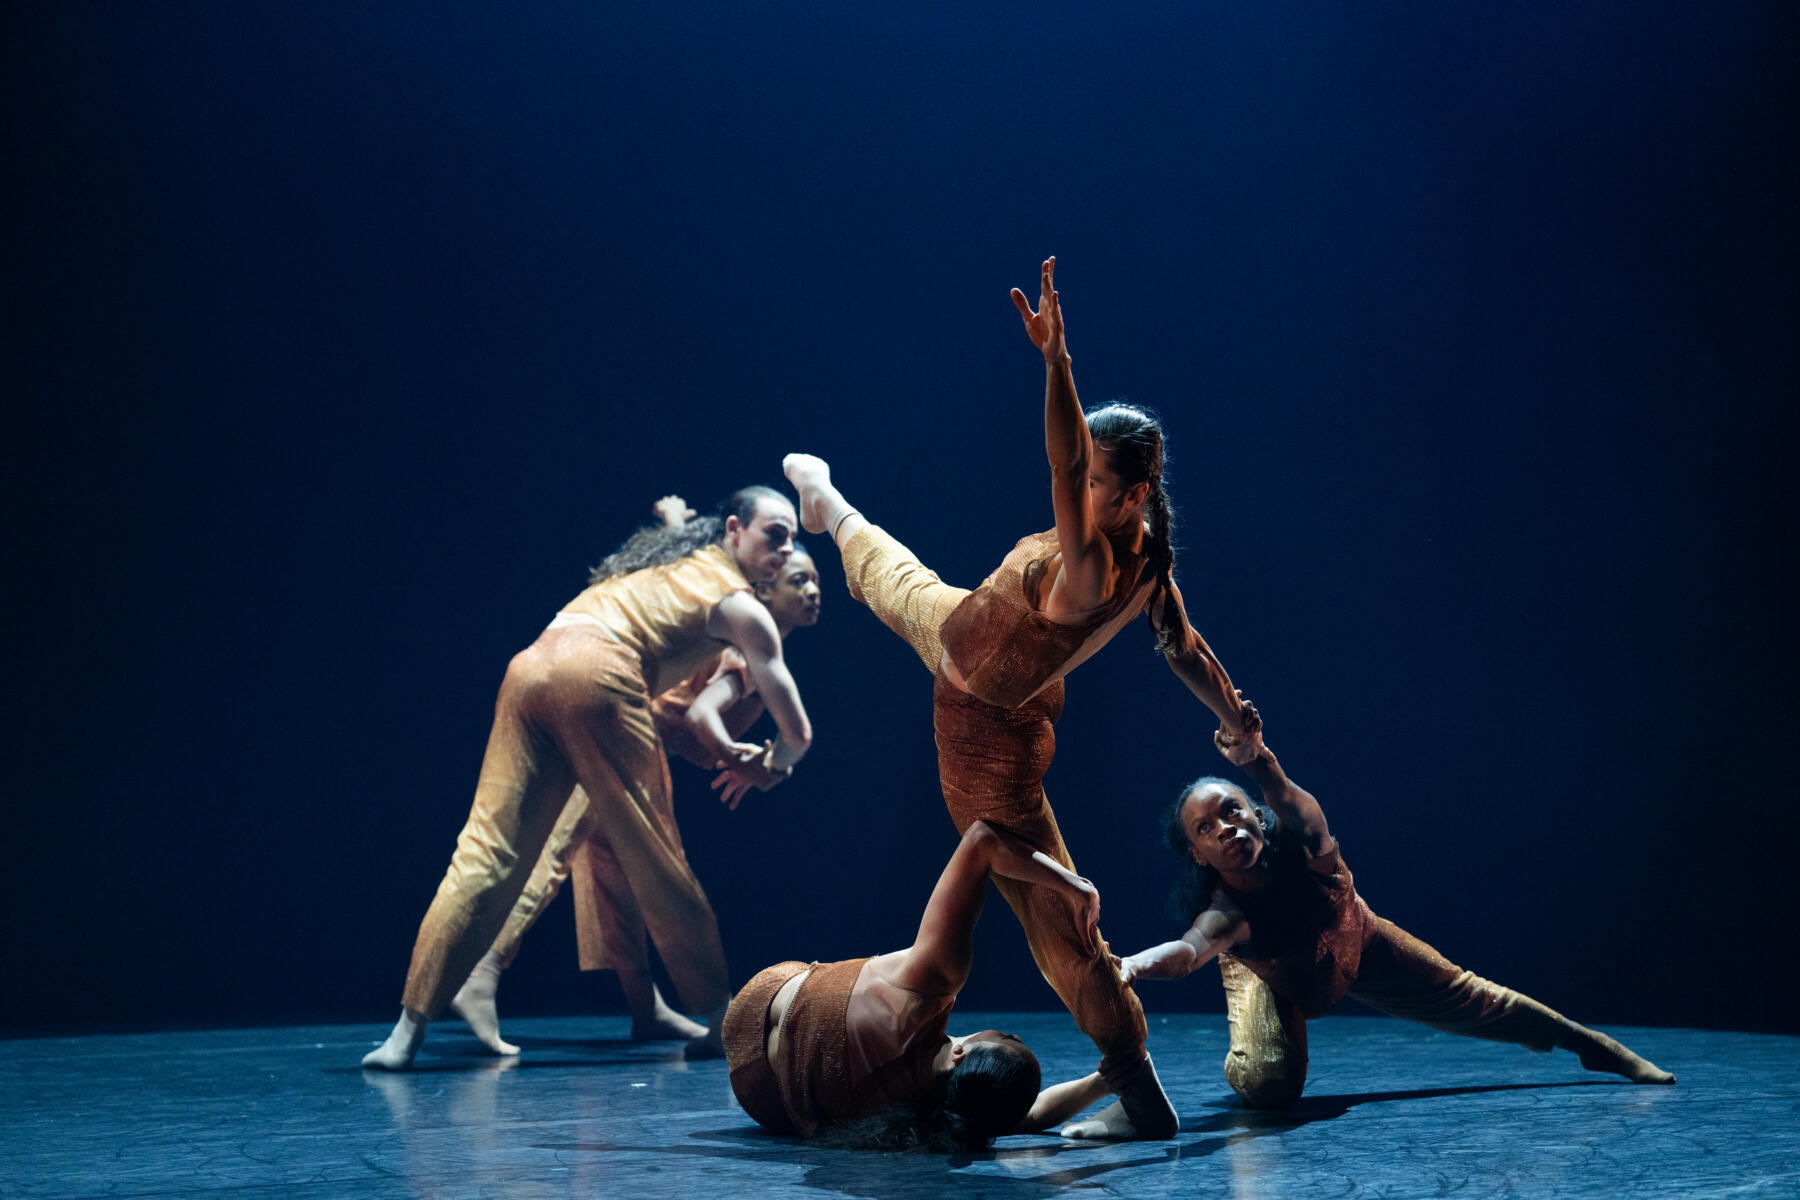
574 708
995 746
609 928
1313 941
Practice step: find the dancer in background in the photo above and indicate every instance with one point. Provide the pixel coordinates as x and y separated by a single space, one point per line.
574 708
702 719
999 655
857 1049
1270 896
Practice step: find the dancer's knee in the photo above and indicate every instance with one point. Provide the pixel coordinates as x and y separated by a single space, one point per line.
1265 1082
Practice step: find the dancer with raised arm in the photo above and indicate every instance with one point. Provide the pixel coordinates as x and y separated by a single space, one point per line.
574 708
703 719
858 1049
1271 898
999 655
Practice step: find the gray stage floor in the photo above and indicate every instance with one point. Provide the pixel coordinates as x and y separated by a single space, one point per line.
1393 1110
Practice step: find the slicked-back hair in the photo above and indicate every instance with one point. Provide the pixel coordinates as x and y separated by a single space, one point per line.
657 545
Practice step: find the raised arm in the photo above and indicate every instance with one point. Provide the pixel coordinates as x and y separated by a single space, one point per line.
673 511
1086 578
746 624
1213 931
938 960
1294 806
1196 665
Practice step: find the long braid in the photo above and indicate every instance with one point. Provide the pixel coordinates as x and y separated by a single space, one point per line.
1159 550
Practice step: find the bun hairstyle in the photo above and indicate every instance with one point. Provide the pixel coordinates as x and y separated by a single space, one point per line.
1133 440
657 545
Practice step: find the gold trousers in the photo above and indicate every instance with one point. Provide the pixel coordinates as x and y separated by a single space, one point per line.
991 764
1400 976
572 710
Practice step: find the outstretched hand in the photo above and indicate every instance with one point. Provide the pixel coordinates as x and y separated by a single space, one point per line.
756 770
673 511
1045 326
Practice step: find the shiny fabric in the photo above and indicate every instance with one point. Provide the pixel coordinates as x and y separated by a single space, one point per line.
1307 930
573 708
1397 974
660 613
609 928
746 1035
991 763
1002 644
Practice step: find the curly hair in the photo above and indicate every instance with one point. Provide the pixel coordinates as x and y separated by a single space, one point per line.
657 545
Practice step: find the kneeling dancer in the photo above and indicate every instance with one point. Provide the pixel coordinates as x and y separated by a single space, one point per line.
574 708
1280 910
999 654
858 1048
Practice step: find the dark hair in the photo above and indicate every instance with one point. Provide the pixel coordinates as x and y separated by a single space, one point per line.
1133 439
656 545
986 1095
1194 889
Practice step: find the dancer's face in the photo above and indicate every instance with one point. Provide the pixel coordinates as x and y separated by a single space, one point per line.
761 547
1116 506
1222 829
793 598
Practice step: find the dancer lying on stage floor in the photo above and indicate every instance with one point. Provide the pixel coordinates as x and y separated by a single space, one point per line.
857 1049
703 719
1279 909
574 708
999 655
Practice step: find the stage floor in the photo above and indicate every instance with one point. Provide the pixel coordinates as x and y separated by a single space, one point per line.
1392 1110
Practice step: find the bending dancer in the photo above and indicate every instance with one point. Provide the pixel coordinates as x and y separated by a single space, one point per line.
703 719
1271 897
575 708
999 655
858 1048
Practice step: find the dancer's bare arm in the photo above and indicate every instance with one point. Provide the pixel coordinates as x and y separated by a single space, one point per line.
706 720
1059 1102
1086 578
1196 665
1295 807
938 960
741 620
1213 931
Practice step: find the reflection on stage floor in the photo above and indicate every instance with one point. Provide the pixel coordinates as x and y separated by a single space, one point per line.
1392 1110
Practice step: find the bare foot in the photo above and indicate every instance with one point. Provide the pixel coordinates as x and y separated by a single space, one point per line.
711 1044
664 1024
1110 1124
475 1003
401 1047
1600 1053
821 504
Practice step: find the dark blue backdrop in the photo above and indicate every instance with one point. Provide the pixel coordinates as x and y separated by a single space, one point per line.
342 338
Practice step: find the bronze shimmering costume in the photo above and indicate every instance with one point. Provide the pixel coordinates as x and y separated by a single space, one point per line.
575 708
1314 941
851 1045
996 739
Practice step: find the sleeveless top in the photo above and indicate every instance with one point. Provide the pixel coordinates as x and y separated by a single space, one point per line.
1307 932
669 710
1007 650
659 613
851 1047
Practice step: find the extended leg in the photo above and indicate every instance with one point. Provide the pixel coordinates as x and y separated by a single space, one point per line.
1404 977
524 782
477 1001
1266 1064
621 766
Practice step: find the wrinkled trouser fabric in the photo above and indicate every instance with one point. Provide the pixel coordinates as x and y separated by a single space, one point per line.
572 710
991 763
1401 976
